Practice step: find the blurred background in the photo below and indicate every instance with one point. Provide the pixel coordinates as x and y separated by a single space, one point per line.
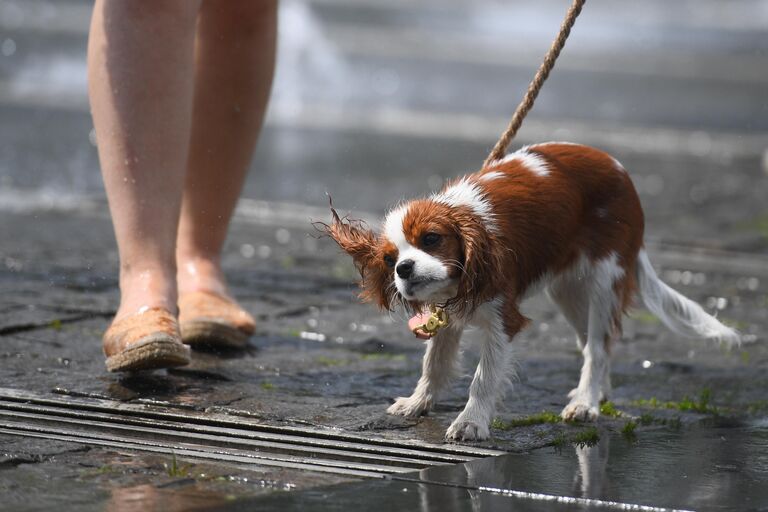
379 100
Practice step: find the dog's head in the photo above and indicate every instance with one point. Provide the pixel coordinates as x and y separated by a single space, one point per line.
427 252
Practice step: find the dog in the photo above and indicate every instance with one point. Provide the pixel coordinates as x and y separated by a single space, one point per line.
559 217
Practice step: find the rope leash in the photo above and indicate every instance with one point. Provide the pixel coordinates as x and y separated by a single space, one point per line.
439 317
500 149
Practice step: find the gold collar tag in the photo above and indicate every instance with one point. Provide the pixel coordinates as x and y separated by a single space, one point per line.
436 321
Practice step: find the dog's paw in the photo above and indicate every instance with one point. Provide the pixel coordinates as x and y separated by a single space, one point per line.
410 406
578 410
464 430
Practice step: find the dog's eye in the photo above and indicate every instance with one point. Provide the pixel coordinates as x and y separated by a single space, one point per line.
390 261
430 239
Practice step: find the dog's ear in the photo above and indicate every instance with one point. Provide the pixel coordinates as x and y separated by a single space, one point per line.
482 263
377 280
354 238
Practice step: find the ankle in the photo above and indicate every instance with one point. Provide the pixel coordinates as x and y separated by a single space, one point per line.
200 274
146 288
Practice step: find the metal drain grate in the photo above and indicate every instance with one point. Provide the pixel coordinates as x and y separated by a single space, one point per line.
114 424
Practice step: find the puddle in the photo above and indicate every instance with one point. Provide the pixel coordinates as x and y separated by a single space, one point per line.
696 469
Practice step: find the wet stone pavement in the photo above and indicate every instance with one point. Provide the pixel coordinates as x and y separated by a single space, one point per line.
324 362
375 101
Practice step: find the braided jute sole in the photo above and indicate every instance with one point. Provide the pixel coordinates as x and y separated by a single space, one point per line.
201 333
152 352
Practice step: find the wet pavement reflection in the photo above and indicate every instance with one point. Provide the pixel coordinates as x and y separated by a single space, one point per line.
691 469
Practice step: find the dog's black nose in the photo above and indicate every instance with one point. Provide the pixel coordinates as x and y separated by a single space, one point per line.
404 269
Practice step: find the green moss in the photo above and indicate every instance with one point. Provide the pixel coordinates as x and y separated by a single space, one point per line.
587 437
700 405
533 419
383 356
55 324
266 385
646 419
608 409
328 361
560 440
174 470
628 430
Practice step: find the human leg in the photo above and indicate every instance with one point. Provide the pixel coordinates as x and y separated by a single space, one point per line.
234 62
140 65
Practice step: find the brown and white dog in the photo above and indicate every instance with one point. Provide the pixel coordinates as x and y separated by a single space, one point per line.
558 217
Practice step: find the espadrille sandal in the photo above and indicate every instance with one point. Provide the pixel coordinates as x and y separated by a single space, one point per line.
212 320
147 340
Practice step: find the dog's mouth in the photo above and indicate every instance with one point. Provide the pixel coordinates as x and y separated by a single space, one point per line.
414 287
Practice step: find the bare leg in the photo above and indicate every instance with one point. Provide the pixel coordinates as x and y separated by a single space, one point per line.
235 56
140 65
438 367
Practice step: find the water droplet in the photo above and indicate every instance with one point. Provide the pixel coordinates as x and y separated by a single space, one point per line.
8 47
264 251
283 236
247 251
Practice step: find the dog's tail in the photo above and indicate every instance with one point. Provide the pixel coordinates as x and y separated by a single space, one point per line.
676 311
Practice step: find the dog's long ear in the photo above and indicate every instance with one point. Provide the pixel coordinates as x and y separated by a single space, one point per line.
365 248
352 236
482 263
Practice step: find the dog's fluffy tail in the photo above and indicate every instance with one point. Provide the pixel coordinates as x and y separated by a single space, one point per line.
676 311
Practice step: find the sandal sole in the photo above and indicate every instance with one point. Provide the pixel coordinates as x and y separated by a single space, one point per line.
213 334
151 353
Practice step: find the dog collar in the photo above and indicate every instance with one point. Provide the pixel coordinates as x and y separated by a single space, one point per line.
436 321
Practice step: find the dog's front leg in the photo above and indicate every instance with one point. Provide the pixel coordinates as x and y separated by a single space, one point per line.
499 324
437 369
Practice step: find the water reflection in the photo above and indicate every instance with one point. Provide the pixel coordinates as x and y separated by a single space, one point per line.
182 495
590 480
697 468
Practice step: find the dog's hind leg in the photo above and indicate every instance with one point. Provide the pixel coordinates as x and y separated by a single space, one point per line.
605 306
438 367
492 374
572 298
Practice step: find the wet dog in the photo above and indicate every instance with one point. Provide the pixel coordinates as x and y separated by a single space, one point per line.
558 217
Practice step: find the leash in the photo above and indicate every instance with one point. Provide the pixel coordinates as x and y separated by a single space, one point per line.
525 106
438 317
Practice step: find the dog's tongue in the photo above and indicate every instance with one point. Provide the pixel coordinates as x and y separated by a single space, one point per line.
418 320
